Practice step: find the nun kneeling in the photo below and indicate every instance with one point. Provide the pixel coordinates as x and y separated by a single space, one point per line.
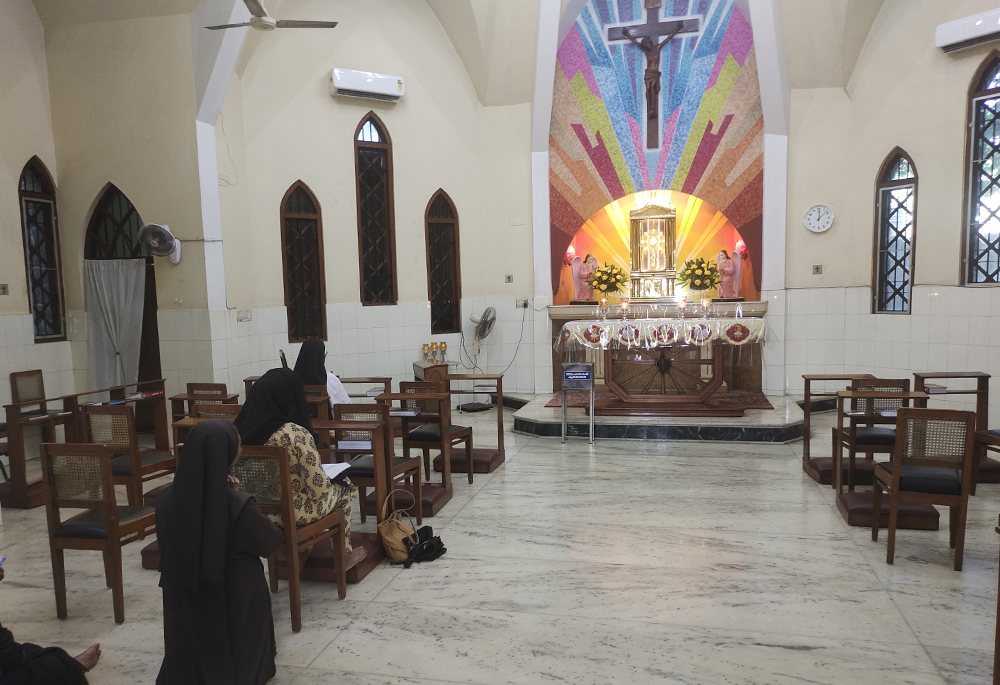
217 624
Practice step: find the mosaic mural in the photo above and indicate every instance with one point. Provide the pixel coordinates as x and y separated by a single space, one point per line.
711 142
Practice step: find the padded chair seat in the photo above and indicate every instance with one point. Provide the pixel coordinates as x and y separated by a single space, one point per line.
431 432
928 479
121 467
875 435
90 524
994 433
364 467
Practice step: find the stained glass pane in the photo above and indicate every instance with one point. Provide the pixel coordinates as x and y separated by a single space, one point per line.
114 229
375 229
303 268
895 249
370 133
984 229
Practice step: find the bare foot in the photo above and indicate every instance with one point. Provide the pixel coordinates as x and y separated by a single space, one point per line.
90 656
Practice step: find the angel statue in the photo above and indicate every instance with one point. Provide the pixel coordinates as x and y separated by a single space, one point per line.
737 270
727 270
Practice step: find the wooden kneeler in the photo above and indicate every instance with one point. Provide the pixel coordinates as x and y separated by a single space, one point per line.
263 472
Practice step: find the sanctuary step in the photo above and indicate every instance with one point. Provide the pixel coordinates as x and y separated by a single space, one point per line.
484 460
856 508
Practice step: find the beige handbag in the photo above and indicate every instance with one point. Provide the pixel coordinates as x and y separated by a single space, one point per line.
393 530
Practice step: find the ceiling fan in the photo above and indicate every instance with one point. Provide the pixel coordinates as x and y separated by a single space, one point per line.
262 21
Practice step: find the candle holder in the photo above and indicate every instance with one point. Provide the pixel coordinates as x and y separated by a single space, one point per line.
682 306
426 351
602 309
706 303
442 348
624 307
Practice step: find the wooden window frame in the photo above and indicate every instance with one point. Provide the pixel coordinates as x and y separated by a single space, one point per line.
386 145
988 64
457 289
321 275
881 185
39 168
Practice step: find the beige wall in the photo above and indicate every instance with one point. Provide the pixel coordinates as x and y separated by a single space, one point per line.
905 92
123 112
442 138
26 116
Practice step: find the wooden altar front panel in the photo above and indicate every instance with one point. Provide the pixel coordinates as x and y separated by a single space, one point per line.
669 380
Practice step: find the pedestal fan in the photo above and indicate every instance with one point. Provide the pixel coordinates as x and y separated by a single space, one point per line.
484 326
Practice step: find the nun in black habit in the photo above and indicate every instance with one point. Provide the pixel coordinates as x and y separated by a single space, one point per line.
217 624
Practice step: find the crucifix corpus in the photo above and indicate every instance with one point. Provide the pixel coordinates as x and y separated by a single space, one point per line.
645 37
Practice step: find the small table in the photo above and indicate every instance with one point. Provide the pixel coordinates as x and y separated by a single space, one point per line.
857 507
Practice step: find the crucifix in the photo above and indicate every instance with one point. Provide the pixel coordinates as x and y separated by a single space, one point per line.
645 37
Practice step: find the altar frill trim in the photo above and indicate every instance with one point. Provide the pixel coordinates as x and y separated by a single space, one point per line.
650 333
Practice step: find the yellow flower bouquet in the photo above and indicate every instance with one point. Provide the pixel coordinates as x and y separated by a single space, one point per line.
699 274
608 279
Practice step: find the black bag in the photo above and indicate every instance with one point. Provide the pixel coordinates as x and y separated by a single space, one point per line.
428 547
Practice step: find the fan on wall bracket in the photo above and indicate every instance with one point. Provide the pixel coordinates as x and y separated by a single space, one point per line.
158 239
262 21
484 326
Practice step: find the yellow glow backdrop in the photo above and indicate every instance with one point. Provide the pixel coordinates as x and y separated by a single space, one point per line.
702 231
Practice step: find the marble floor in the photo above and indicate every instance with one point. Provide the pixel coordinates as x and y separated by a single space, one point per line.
622 562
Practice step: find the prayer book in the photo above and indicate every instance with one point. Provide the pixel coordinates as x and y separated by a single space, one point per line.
404 412
484 388
375 392
935 389
334 470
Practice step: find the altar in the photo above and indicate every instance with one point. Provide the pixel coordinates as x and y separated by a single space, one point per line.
666 366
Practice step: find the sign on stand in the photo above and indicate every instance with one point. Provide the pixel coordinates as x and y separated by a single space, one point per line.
578 376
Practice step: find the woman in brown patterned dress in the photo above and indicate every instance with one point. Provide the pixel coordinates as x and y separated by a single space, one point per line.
276 413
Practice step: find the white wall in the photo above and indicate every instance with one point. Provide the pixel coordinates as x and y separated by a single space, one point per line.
26 113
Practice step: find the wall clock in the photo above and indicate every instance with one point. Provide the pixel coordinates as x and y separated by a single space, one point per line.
818 219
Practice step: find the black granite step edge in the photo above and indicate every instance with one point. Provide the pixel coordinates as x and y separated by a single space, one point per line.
775 434
510 402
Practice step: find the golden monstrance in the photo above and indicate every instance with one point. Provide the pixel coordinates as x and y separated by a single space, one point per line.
653 230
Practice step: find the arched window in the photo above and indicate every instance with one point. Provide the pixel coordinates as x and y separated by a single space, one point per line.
37 196
444 280
983 180
114 229
376 220
302 259
896 202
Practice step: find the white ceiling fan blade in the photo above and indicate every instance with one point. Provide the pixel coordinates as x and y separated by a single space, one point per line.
255 8
228 26
295 24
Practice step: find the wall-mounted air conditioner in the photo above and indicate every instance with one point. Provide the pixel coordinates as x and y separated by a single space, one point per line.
965 33
366 84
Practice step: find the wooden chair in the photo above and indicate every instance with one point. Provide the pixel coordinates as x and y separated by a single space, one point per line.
428 436
206 393
362 471
114 426
263 472
932 464
318 401
867 430
229 412
79 477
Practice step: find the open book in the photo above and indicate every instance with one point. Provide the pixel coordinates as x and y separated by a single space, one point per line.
334 470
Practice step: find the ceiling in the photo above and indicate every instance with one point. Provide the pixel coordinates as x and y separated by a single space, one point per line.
495 40
824 39
67 12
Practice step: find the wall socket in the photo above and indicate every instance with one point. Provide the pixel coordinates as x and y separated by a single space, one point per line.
4 290
817 269
509 278
522 304
244 315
